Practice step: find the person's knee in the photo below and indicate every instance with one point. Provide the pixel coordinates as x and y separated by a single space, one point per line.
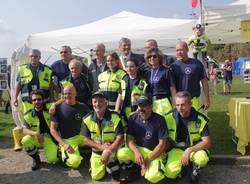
200 158
74 161
27 141
124 154
173 169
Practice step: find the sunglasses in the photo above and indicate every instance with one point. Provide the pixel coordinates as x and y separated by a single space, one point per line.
36 99
154 56
63 52
34 56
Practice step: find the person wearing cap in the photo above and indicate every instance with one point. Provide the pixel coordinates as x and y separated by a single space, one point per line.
188 73
160 80
199 41
103 132
146 138
110 80
189 138
66 124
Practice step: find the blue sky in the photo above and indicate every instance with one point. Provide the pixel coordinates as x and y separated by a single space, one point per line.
19 18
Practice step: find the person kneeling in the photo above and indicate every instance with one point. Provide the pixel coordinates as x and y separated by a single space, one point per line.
103 132
37 132
188 136
146 141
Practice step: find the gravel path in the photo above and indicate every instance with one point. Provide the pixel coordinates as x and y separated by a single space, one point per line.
15 169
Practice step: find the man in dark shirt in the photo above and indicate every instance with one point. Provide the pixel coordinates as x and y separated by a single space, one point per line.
188 73
188 136
97 65
103 132
66 126
60 67
146 140
36 130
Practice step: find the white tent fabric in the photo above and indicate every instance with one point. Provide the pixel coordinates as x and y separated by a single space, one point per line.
109 31
223 23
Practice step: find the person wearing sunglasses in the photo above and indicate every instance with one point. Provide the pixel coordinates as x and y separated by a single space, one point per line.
110 80
61 69
160 81
37 133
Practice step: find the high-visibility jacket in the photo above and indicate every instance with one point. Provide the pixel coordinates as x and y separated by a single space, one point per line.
43 76
195 128
138 89
105 133
200 42
31 118
109 83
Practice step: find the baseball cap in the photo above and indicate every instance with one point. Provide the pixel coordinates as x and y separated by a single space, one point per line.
143 100
99 94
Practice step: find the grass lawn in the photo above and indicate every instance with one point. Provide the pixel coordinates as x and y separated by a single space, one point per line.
219 125
220 131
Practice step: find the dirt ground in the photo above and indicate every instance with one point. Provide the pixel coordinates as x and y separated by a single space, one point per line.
15 169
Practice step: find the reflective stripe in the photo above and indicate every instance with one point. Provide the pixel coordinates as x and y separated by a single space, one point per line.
109 89
113 169
25 94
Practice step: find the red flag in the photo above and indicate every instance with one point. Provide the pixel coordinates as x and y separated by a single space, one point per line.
194 3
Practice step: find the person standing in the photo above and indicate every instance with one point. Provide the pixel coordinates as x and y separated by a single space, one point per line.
132 87
188 137
227 76
213 78
37 133
110 80
80 82
61 69
160 80
97 65
103 132
188 73
66 124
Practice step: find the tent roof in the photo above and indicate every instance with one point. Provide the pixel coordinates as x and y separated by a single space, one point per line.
109 31
223 22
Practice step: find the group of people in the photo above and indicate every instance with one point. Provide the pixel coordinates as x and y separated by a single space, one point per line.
137 113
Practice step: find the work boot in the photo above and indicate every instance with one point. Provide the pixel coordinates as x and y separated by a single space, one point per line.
194 174
36 162
16 133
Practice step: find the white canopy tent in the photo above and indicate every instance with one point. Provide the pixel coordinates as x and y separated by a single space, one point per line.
109 31
223 23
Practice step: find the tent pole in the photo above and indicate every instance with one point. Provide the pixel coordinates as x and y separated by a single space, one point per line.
201 12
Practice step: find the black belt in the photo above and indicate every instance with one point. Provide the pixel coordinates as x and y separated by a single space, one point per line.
157 97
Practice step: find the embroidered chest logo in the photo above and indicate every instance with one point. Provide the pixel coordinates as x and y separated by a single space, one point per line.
110 124
148 135
78 116
188 70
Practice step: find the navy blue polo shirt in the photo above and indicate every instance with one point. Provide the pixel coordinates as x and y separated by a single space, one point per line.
60 69
187 76
69 118
159 79
147 133
107 117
